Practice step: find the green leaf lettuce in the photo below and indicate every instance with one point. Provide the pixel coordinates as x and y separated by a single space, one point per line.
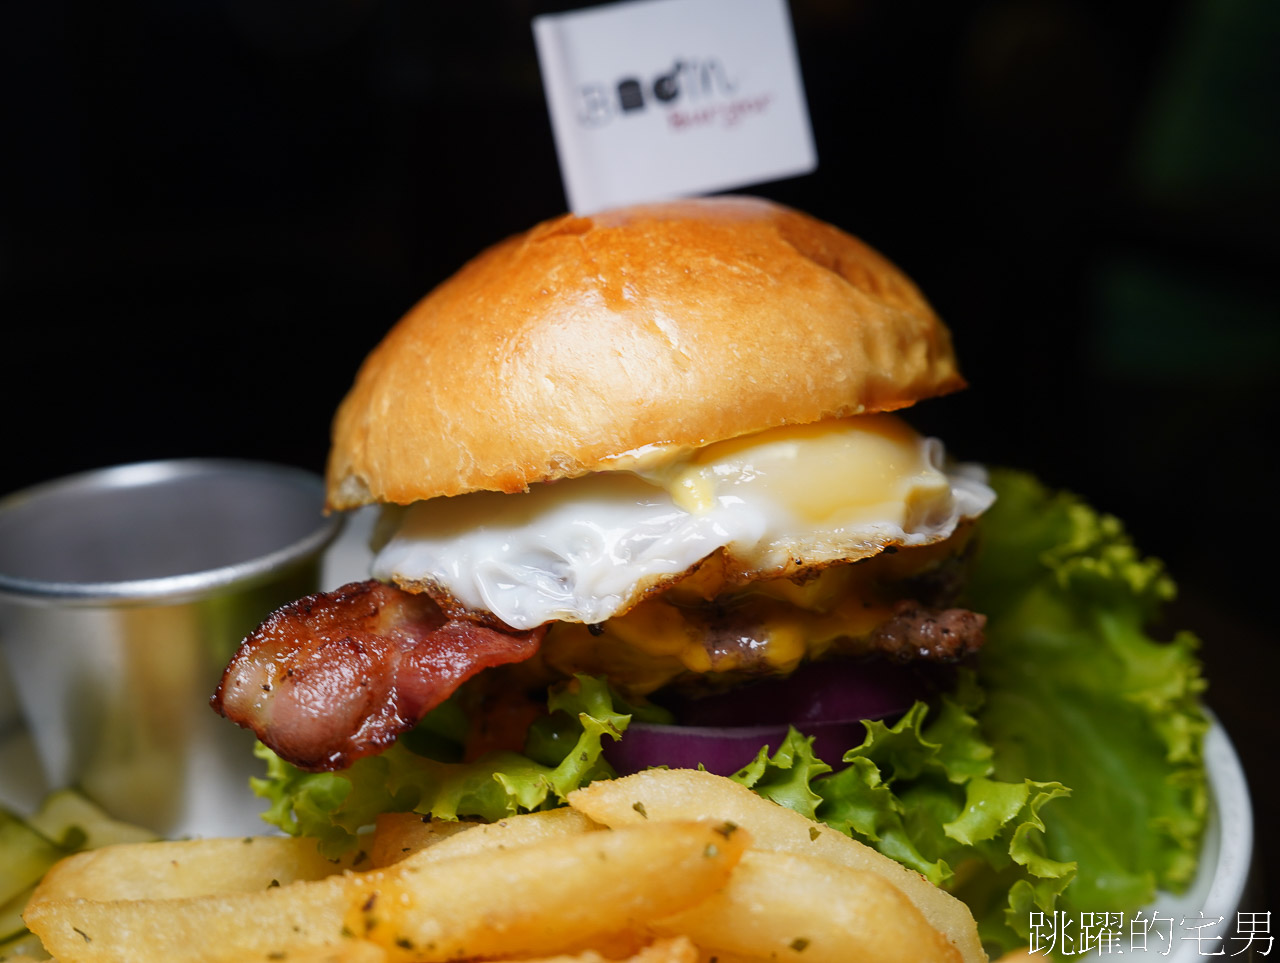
1076 691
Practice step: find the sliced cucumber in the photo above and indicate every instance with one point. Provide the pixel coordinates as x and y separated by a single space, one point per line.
25 855
77 823
24 946
66 822
11 925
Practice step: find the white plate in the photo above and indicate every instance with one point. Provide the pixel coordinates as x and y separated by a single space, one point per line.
1217 892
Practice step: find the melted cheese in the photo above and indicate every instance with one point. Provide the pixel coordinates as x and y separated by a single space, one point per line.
781 621
773 504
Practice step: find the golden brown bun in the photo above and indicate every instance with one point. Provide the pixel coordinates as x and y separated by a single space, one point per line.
587 337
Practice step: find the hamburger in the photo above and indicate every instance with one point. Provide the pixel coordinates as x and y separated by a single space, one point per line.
647 500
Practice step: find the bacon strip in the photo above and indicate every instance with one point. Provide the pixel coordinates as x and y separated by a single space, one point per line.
339 675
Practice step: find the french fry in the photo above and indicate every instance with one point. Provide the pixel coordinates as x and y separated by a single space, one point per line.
303 917
612 946
397 835
783 906
191 867
350 951
530 899
662 794
543 897
677 950
525 829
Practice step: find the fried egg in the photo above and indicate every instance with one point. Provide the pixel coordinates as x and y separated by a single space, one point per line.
776 503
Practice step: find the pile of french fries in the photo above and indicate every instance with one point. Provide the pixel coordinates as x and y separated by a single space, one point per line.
665 866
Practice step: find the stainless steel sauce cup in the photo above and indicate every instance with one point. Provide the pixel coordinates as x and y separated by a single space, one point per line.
123 593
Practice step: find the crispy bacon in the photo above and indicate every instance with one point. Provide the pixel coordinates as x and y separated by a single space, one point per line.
339 675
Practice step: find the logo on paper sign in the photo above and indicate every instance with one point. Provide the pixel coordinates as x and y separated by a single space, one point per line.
652 99
697 81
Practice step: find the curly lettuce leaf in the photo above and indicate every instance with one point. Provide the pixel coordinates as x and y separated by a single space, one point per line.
919 791
334 806
1076 691
786 776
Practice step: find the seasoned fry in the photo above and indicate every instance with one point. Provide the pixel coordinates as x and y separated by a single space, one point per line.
351 951
191 867
677 950
398 835
301 917
540 898
532 899
511 832
780 906
661 794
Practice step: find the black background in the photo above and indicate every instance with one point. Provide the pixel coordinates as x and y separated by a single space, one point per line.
212 209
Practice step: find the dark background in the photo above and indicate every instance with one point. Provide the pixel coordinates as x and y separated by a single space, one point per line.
212 209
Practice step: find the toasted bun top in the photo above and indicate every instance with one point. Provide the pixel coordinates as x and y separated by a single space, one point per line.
589 337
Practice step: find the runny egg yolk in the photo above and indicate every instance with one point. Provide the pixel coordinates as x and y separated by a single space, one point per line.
846 472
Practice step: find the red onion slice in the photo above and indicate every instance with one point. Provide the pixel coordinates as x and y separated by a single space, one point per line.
836 691
826 700
722 750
